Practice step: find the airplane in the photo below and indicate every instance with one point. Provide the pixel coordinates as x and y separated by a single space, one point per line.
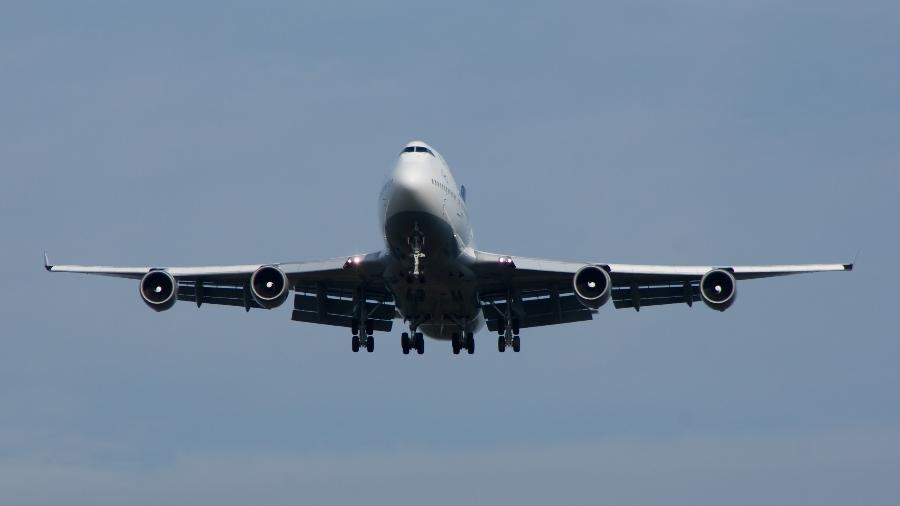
430 275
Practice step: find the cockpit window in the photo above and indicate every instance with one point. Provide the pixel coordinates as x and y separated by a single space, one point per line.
417 149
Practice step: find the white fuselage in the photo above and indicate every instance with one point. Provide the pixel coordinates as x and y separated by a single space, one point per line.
421 210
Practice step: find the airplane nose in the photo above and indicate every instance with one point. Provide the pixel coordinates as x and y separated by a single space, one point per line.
409 177
412 184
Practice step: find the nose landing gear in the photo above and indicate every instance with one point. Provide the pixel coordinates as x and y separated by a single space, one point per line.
417 243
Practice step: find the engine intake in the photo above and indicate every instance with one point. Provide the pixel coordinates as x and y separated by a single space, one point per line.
592 286
269 286
159 290
718 289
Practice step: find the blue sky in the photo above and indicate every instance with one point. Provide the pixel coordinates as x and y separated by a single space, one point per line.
659 132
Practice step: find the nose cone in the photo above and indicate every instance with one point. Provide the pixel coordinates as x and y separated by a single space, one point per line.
413 189
411 175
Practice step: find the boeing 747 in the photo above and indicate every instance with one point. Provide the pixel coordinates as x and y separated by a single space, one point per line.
430 275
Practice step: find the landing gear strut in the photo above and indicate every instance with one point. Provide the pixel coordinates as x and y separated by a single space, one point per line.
508 324
417 242
361 326
509 335
508 328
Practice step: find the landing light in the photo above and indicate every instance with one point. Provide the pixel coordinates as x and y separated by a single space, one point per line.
507 261
353 262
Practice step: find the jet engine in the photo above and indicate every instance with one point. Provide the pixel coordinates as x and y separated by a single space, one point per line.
159 290
269 286
592 286
718 289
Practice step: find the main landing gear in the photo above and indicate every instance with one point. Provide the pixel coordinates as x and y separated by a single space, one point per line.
509 336
362 339
417 342
460 341
414 340
511 341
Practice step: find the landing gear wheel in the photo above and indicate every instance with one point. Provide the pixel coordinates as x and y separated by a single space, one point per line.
501 344
454 340
515 326
420 343
355 344
354 326
517 343
369 328
501 328
470 343
404 343
370 344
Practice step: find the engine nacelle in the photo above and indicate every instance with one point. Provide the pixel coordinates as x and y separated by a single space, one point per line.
592 286
159 290
718 288
269 286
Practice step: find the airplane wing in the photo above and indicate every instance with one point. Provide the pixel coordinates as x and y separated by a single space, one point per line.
326 291
542 292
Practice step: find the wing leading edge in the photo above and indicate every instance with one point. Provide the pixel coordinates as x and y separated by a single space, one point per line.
681 273
332 269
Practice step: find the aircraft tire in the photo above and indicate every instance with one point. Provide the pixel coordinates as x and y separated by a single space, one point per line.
420 343
404 343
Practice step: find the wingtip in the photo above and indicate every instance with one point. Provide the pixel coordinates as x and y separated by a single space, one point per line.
47 265
849 267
